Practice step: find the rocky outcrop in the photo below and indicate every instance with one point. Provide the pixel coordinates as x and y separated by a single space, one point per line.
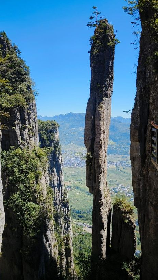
144 117
21 127
97 123
49 138
29 248
26 253
123 239
17 103
32 247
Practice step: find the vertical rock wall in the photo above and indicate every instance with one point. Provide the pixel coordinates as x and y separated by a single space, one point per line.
31 249
21 127
62 214
2 215
144 169
123 230
97 123
17 103
49 137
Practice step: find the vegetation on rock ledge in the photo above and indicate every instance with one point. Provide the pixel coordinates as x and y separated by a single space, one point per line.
147 10
126 208
16 86
102 30
48 135
23 190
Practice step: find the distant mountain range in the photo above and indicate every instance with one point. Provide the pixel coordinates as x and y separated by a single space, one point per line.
71 131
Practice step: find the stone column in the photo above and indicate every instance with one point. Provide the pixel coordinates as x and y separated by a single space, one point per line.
97 123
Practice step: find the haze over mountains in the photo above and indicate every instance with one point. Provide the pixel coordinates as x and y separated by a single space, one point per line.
72 131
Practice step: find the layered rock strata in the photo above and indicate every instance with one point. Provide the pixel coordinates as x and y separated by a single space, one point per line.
143 143
96 136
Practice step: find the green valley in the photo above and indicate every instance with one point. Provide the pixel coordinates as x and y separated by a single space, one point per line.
71 130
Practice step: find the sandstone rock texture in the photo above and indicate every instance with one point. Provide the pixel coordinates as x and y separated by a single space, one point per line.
123 232
96 136
144 168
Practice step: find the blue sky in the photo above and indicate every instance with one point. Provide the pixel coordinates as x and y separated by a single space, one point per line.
54 41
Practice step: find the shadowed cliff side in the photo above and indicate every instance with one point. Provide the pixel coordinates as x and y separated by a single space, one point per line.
28 234
96 136
17 104
2 214
123 239
49 139
30 246
143 142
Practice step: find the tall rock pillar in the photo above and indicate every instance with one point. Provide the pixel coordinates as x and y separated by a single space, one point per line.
96 136
144 140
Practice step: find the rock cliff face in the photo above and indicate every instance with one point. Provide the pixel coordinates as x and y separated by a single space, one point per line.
143 151
123 230
32 248
18 109
28 237
21 127
97 122
49 137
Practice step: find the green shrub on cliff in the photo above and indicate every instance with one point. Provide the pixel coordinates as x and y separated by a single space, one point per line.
47 131
82 246
147 10
133 268
102 28
14 74
140 5
16 86
126 208
24 196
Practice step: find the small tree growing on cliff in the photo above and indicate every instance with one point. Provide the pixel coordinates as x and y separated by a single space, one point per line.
100 23
132 9
94 21
102 26
137 7
16 86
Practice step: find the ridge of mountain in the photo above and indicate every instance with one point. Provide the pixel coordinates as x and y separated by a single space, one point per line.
72 131
79 116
